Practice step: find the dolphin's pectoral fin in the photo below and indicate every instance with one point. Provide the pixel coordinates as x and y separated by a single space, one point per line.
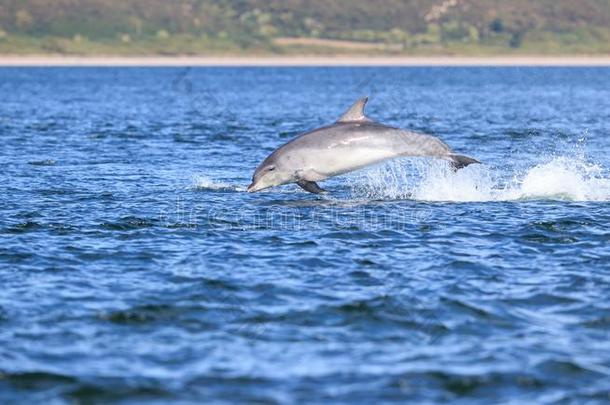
310 186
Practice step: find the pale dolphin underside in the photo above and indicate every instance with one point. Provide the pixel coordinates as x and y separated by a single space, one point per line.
351 143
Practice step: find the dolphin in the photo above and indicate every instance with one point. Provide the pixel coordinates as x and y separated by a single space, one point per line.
351 143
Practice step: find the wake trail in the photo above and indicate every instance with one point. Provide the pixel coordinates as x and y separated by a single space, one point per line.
557 178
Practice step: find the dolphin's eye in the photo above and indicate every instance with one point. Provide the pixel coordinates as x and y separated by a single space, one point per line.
271 168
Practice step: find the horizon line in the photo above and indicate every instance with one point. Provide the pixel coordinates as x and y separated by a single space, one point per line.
303 61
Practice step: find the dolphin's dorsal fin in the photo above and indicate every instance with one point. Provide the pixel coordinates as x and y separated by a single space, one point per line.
355 112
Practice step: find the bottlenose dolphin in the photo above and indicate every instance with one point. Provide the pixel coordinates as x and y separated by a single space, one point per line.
351 143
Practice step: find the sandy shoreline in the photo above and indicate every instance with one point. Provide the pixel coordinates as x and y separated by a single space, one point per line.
43 60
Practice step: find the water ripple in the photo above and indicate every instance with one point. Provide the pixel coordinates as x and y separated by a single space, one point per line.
135 267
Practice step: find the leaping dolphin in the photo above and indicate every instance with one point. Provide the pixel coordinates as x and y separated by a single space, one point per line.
351 143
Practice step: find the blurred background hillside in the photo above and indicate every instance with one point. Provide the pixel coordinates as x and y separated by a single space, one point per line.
243 27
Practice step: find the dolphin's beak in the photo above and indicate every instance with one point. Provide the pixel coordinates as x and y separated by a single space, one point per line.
252 188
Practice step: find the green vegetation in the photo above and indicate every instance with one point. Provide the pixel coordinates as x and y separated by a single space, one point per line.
207 27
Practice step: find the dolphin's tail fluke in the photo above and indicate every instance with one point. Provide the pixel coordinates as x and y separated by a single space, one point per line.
460 161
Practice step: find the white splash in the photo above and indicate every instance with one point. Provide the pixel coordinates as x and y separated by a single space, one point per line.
201 182
558 178
563 178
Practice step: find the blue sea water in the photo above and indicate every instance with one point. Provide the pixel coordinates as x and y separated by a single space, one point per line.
134 267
